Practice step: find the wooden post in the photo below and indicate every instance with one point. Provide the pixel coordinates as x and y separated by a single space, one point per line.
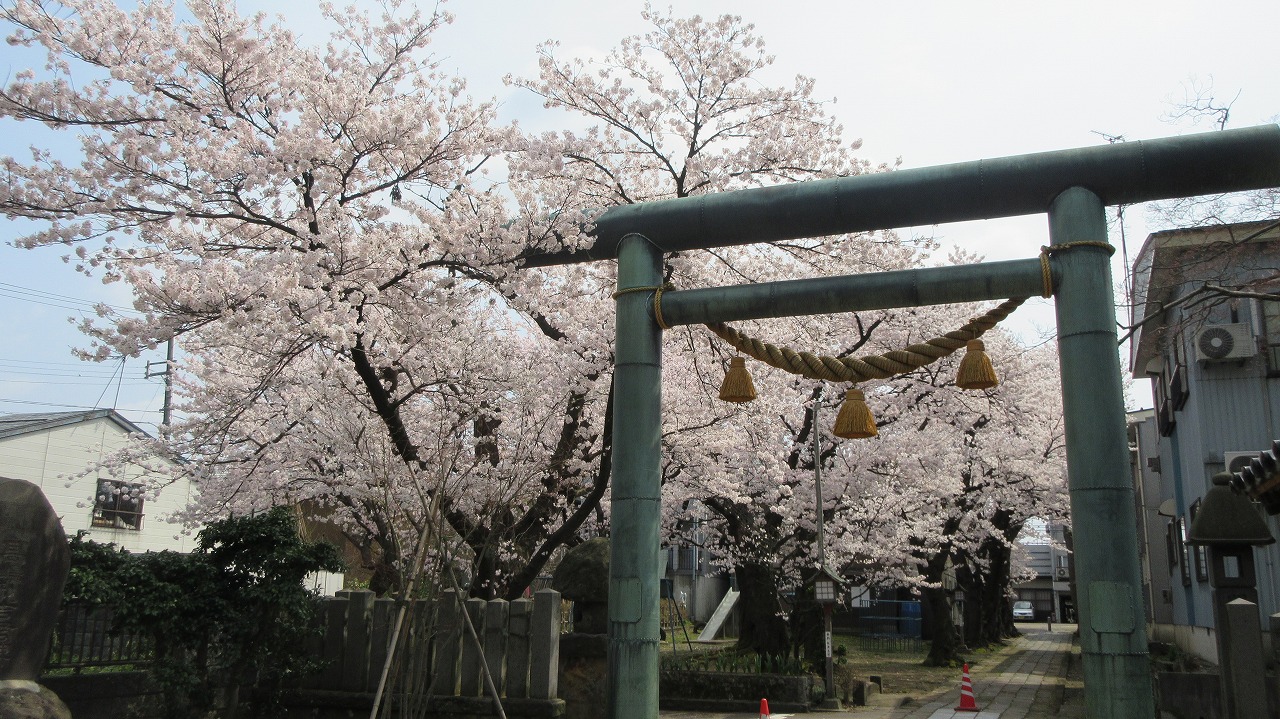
381 622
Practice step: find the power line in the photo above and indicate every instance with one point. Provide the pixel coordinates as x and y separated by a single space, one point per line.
53 372
52 299
75 384
73 406
14 360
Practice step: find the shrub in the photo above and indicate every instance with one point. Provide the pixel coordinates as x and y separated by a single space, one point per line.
234 608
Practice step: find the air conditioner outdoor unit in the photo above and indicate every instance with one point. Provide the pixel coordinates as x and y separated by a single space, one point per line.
1061 573
1237 461
1218 343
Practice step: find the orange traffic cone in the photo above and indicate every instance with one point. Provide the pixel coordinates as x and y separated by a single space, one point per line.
967 704
764 709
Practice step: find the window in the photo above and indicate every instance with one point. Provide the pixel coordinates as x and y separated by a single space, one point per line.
117 505
1201 552
1171 387
1176 371
1184 551
1165 420
1271 322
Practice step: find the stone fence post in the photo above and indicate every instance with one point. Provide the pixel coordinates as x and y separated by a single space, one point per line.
544 660
1244 683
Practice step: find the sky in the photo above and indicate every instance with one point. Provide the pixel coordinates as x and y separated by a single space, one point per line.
927 83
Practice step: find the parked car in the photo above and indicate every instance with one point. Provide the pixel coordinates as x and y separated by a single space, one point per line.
1023 611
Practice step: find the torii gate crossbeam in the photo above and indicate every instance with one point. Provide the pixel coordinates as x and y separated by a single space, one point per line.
1073 187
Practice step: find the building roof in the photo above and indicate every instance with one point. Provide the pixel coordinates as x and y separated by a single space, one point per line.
16 425
1169 260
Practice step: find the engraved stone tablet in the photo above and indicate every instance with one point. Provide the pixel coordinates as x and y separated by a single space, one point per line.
34 560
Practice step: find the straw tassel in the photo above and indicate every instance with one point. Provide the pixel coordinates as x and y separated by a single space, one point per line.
737 385
855 420
975 370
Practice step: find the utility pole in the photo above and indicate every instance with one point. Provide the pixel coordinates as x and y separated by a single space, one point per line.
830 701
167 373
817 490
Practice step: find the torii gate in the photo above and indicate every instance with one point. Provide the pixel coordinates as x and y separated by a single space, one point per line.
1073 187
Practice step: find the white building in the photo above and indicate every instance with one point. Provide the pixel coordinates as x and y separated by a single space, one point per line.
54 449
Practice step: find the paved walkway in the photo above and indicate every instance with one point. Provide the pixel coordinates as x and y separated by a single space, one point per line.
1035 680
1038 677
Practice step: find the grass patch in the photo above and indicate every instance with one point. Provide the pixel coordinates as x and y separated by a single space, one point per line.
97 669
901 670
731 661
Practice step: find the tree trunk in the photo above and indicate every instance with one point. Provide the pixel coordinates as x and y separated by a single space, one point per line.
945 644
763 628
974 603
987 617
995 601
1002 556
944 649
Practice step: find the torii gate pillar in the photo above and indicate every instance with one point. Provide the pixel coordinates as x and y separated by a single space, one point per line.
1112 631
636 493
1113 640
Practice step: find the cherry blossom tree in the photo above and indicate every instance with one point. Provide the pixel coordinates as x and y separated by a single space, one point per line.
318 229
680 111
947 484
674 116
314 225
1002 465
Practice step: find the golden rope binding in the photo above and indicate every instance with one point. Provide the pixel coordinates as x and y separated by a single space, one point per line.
855 420
1046 250
851 369
657 299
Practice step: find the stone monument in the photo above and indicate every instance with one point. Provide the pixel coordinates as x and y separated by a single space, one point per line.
583 578
34 560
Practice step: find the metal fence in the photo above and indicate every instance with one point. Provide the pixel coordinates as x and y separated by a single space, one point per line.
885 618
84 637
885 644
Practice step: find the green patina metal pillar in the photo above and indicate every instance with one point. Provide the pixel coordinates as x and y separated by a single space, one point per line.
636 499
1113 637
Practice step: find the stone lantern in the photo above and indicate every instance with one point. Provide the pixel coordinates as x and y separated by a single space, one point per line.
1230 527
827 588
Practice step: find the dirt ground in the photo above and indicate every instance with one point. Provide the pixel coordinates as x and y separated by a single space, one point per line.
901 672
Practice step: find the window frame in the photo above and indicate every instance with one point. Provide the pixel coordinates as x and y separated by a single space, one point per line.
1184 551
1269 311
121 509
1179 388
1201 553
1171 386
